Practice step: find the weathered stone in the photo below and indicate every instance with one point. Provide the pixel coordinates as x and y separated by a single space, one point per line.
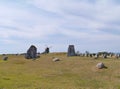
104 55
100 65
31 53
5 58
47 50
96 56
71 51
56 59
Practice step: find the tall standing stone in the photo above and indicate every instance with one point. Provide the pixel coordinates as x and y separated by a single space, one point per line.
47 50
71 50
31 52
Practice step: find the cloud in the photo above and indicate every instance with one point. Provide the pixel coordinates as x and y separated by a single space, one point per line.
60 22
18 21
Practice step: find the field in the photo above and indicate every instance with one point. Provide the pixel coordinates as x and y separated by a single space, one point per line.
68 73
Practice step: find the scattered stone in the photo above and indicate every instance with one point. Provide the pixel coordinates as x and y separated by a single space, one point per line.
5 58
96 56
100 65
104 55
56 59
31 53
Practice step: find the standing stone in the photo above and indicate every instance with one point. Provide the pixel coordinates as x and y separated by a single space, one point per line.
47 50
31 53
71 50
96 56
104 55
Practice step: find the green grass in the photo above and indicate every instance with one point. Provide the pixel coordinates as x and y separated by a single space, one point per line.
69 73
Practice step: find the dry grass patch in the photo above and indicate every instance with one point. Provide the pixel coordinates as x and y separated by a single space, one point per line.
68 73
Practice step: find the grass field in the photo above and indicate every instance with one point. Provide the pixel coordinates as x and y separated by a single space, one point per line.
69 73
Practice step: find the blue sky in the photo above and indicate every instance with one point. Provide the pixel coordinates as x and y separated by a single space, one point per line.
92 25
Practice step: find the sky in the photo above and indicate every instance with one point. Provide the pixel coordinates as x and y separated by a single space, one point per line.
89 25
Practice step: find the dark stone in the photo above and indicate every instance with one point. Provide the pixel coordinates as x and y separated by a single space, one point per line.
47 50
5 58
71 51
31 53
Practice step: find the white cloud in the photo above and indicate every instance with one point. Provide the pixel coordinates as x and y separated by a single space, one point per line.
52 5
74 19
12 24
82 14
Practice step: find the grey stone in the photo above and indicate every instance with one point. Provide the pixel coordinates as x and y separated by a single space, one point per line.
96 56
104 55
71 51
31 52
100 65
5 58
47 50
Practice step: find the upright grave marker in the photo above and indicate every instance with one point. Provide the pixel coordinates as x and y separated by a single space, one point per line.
71 51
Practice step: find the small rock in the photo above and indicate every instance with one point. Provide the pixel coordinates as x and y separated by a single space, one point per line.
56 59
5 58
100 65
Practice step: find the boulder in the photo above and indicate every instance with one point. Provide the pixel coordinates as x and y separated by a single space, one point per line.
31 52
5 58
100 65
55 59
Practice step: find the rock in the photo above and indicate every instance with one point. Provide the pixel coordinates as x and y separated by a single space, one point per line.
56 59
96 56
31 52
5 58
71 51
100 65
104 55
47 50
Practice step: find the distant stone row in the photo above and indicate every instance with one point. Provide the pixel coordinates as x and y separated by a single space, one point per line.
32 53
71 52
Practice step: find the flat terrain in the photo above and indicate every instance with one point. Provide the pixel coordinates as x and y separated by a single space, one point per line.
68 73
